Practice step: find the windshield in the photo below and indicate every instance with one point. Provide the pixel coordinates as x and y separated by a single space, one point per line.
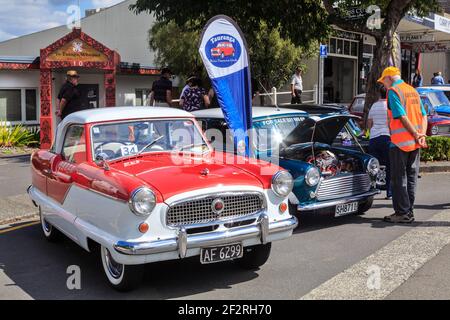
270 133
438 98
118 140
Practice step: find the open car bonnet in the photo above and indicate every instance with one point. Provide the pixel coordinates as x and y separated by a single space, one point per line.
318 129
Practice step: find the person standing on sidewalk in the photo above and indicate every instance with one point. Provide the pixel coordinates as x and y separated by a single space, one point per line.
195 97
69 96
380 138
297 86
407 124
161 93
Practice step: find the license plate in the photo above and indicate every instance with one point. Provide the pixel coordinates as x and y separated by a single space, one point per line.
221 253
346 208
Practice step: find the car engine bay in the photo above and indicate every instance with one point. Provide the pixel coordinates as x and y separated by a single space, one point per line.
329 161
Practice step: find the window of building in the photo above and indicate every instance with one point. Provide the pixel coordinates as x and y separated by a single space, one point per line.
74 149
343 47
142 96
19 105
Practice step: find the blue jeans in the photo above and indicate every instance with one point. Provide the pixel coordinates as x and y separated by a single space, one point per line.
379 148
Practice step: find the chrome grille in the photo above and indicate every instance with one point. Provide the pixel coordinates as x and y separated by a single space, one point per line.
199 210
343 185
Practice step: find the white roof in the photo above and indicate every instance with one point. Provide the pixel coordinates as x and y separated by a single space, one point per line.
216 113
122 113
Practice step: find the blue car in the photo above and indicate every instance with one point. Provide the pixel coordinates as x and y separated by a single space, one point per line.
436 98
330 177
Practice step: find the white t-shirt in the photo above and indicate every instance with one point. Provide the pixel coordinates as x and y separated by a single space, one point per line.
297 82
378 114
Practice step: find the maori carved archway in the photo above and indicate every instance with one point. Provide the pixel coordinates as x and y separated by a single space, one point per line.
79 51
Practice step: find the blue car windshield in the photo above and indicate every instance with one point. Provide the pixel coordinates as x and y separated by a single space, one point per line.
269 133
438 98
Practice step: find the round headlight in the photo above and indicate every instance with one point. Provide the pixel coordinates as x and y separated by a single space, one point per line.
282 183
434 130
373 166
312 176
142 201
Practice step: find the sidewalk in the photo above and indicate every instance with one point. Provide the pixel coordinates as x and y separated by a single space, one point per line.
431 282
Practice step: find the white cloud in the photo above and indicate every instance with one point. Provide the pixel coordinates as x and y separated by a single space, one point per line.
27 16
104 3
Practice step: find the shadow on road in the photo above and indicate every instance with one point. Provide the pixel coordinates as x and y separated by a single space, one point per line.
47 277
308 223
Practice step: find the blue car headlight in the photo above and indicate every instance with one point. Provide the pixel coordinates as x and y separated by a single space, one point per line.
312 176
373 167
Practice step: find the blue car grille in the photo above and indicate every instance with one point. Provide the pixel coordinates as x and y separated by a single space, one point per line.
344 185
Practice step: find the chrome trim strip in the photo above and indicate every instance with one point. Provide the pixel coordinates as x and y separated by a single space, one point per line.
332 203
202 240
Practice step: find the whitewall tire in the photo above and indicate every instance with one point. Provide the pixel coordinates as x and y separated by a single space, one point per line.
50 232
121 277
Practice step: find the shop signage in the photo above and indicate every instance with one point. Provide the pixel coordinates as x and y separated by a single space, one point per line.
77 50
355 13
433 47
347 35
441 23
416 37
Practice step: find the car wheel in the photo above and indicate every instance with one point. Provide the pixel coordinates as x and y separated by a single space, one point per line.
121 277
365 206
255 256
381 178
222 55
50 232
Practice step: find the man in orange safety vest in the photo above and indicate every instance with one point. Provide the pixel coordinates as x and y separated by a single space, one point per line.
408 124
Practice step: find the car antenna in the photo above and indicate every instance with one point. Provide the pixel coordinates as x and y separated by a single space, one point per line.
276 106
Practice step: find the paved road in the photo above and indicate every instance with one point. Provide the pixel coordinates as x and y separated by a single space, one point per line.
320 249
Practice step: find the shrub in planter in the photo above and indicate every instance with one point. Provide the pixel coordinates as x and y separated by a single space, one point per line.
438 149
15 136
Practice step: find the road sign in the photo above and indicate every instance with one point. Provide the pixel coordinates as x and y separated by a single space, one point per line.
323 50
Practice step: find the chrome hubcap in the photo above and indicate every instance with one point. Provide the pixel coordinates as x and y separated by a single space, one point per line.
115 269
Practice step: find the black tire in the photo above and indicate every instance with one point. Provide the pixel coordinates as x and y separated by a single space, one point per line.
255 256
365 206
50 233
121 277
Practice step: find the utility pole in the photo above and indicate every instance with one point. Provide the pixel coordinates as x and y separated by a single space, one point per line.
323 52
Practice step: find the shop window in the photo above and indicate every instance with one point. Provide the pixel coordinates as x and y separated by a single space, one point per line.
18 105
332 48
354 49
347 48
10 105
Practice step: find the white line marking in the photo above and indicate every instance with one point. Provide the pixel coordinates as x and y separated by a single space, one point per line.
376 276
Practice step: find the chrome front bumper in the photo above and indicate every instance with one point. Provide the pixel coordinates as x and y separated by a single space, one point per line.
335 202
261 229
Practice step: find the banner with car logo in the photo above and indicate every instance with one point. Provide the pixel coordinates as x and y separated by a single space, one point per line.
224 52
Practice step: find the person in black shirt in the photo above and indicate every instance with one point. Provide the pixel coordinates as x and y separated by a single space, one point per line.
161 93
69 97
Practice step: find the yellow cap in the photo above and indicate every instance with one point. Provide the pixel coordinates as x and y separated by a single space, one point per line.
72 73
389 71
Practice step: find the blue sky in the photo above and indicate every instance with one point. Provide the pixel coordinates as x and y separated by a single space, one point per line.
20 17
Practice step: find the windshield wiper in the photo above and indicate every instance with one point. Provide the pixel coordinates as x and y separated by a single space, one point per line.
149 145
192 146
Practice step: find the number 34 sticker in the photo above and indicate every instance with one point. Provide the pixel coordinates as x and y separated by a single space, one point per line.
129 150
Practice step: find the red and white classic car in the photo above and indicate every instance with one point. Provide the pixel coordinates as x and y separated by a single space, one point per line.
143 185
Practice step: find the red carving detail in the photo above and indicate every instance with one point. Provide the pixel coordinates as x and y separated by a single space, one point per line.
110 89
46 109
18 66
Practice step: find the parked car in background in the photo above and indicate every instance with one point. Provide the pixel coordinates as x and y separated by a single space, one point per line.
356 107
436 99
143 185
438 124
328 177
444 88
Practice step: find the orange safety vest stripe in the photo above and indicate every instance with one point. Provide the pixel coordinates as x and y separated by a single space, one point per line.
410 101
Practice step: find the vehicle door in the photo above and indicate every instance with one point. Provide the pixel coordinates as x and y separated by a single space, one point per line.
60 179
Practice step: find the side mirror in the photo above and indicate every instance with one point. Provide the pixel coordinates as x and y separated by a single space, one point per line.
100 160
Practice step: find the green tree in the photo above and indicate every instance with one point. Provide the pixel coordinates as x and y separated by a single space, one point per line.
301 21
272 58
390 14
